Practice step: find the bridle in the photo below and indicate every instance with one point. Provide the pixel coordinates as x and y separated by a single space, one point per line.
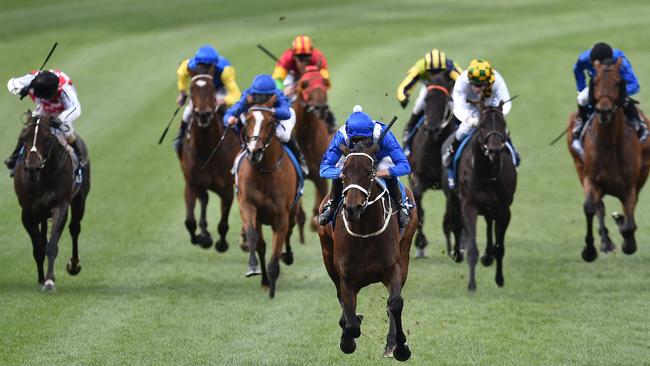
616 102
265 142
492 132
34 149
447 114
208 116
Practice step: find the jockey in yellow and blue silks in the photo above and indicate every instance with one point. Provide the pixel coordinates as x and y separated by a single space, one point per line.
261 91
601 52
391 161
205 61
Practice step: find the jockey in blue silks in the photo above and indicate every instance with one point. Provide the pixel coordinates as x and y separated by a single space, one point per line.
391 162
261 91
600 52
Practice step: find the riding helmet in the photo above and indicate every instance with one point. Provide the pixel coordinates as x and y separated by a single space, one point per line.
480 72
45 85
302 45
600 52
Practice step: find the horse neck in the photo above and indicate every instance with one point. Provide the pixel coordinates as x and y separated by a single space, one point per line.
204 138
271 156
307 124
611 134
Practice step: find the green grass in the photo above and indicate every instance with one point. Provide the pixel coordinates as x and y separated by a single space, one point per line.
146 296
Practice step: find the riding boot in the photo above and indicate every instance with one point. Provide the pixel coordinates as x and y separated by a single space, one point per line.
331 121
632 114
404 213
292 144
10 162
329 209
581 118
83 159
178 140
448 155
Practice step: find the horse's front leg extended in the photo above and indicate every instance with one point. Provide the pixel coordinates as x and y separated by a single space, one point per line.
395 304
488 256
352 328
628 227
249 225
205 239
502 222
470 213
421 239
190 221
280 230
606 244
226 203
38 246
592 196
59 217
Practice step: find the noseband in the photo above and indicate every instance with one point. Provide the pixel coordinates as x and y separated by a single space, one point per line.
35 150
366 192
199 81
447 114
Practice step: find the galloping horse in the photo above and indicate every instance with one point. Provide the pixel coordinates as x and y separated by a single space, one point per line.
202 136
311 130
614 161
425 158
267 188
487 180
45 185
366 246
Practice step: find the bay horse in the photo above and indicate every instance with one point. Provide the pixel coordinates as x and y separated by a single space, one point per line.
487 180
614 162
202 136
311 130
366 246
425 157
45 185
267 188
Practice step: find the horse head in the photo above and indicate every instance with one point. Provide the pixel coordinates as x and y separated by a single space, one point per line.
359 173
608 89
437 108
204 101
259 129
492 132
312 91
38 143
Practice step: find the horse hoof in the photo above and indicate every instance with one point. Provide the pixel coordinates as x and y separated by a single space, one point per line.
72 269
629 246
589 254
457 256
287 258
348 345
352 332
244 247
388 351
272 289
205 240
221 246
607 246
402 353
253 271
499 281
419 253
471 287
48 286
486 260
421 241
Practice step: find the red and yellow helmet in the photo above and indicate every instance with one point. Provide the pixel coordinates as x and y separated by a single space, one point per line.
302 45
480 72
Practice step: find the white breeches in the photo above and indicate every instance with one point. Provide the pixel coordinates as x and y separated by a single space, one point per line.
583 97
65 127
463 130
419 102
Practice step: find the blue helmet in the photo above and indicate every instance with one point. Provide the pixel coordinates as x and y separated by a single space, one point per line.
359 124
205 55
263 84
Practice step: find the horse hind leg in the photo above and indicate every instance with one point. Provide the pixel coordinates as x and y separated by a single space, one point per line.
226 203
205 239
280 233
606 244
589 253
77 209
190 220
38 238
59 217
421 241
499 249
395 305
350 321
300 219
627 225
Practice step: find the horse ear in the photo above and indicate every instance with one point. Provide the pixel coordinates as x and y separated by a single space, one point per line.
249 99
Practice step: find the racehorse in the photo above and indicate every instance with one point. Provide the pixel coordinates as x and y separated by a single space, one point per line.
366 246
46 186
267 189
425 157
311 130
202 137
614 161
487 180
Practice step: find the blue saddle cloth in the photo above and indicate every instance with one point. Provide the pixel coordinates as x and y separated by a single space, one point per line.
301 179
414 130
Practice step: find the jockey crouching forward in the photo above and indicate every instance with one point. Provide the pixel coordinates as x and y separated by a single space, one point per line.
205 61
479 84
261 91
391 162
54 95
601 52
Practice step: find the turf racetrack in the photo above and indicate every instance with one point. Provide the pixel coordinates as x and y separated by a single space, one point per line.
147 296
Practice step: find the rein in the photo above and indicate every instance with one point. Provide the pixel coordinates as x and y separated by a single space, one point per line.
53 141
265 145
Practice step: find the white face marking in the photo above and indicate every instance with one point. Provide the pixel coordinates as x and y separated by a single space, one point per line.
201 83
259 117
38 122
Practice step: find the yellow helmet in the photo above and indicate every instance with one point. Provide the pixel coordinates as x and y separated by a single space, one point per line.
435 60
480 72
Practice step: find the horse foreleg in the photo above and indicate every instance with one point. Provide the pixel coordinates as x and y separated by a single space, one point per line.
470 213
261 254
606 244
628 226
488 256
38 250
592 196
77 209
352 328
395 304
280 231
421 241
226 203
59 217
249 224
205 239
287 255
190 220
502 222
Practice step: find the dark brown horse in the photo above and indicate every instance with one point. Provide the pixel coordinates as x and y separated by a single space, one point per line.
267 186
44 182
366 247
487 180
203 134
614 163
425 157
311 130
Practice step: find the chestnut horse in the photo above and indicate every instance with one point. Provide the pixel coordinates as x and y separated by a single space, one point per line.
366 246
614 161
44 182
425 157
202 136
487 180
311 130
267 188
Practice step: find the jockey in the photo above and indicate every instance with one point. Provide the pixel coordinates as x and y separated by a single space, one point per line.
434 62
205 61
261 91
479 84
600 52
292 64
391 162
54 95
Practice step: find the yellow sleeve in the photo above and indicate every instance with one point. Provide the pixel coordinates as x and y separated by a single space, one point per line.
183 74
455 73
411 77
232 89
326 75
279 73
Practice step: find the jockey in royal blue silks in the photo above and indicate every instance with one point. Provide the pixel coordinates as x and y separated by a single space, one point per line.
261 91
391 162
600 52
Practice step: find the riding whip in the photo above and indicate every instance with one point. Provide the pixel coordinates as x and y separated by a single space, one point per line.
267 52
217 147
385 131
43 65
169 124
559 136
